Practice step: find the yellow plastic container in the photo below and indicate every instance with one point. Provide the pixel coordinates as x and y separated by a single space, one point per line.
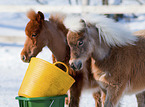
44 79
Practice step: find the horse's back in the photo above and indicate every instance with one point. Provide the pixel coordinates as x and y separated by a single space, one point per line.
140 33
137 79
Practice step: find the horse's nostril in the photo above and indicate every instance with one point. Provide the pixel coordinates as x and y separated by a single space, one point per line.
73 66
23 57
79 65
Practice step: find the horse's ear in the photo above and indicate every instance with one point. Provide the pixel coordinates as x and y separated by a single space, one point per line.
83 22
84 25
31 15
40 17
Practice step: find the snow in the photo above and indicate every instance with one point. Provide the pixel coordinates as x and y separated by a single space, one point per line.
12 72
12 69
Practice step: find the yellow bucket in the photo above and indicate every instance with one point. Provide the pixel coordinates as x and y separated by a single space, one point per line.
45 79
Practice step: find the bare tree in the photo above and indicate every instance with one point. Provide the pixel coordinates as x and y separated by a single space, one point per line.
140 2
41 2
71 2
105 2
85 2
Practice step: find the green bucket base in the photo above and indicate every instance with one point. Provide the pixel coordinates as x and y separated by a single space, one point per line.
56 101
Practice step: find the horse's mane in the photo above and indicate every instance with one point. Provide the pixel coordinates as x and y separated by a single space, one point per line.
58 18
111 32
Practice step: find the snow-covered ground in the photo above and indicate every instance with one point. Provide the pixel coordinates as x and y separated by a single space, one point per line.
12 69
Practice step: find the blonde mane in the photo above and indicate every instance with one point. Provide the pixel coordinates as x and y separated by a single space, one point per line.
112 33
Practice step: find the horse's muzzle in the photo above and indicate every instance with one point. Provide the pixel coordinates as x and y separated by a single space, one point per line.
76 66
25 59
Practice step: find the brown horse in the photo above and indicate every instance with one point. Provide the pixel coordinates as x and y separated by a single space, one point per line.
52 34
118 57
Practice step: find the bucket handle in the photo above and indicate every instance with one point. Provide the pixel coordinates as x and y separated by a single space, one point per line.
62 64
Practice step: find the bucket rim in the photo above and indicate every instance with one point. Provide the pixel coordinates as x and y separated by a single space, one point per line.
62 71
39 98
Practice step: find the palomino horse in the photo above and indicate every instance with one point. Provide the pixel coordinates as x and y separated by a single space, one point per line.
118 57
52 34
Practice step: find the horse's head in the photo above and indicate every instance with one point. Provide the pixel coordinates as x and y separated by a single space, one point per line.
79 46
94 36
42 33
34 40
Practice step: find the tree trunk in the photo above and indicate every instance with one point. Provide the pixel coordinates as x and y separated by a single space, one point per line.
85 2
105 2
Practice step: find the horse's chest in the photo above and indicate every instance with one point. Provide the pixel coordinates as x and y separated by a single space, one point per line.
89 81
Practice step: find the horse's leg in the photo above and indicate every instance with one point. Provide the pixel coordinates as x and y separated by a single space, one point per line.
103 97
99 98
141 99
114 95
53 59
75 91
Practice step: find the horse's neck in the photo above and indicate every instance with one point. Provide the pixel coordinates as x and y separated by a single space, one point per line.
57 42
100 50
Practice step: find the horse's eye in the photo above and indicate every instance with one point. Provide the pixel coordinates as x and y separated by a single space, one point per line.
80 43
34 35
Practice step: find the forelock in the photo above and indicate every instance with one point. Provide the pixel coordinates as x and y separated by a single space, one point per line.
73 36
32 27
73 23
